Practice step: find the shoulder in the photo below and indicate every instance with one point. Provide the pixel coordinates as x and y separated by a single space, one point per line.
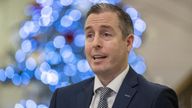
142 85
65 95
150 86
76 87
161 96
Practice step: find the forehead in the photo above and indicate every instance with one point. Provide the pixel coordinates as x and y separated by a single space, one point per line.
102 19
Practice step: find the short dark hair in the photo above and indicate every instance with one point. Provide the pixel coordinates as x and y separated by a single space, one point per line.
125 22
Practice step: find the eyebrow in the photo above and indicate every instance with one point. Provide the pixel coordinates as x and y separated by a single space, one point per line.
106 26
102 26
86 28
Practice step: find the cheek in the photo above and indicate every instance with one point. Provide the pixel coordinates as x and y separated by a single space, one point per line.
113 50
118 50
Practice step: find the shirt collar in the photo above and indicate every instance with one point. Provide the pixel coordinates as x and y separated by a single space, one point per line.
114 84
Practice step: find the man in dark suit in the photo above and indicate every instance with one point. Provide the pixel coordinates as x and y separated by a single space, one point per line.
109 39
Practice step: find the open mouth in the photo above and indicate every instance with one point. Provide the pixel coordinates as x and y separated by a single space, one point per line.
98 57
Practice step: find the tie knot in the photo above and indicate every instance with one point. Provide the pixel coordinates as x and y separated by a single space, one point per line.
105 92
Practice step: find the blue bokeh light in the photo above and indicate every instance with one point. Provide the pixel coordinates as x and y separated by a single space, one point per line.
41 1
132 57
44 77
26 46
137 33
34 44
37 74
42 106
55 15
83 66
57 6
105 1
16 79
66 21
66 2
70 70
62 84
53 57
70 59
75 79
19 106
80 4
140 25
31 104
94 1
25 78
87 75
36 16
64 50
46 11
51 77
52 88
28 28
75 15
80 40
23 34
31 27
2 75
115 1
62 77
45 2
44 67
67 54
9 72
59 41
45 21
29 73
132 12
30 64
140 65
49 47
20 56
137 41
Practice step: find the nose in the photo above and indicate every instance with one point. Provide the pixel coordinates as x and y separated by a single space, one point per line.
97 42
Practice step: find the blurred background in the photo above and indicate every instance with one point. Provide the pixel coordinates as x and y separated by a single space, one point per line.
41 47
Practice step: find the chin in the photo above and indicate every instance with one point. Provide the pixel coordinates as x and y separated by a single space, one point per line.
99 70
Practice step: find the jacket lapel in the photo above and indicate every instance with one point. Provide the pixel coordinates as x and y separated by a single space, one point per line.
85 96
127 90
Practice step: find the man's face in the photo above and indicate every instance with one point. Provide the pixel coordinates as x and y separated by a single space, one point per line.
105 48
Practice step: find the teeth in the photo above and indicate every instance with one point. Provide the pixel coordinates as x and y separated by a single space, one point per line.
98 56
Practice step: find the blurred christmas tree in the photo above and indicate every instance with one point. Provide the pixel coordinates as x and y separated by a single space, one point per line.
52 44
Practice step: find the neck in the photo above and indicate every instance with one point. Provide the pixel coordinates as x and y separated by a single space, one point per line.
108 76
105 80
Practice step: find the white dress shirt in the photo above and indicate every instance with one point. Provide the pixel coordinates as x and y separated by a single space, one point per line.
113 85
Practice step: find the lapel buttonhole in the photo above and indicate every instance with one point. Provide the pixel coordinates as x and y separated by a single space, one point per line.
127 95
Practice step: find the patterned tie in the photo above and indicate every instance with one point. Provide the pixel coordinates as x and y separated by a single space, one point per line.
105 93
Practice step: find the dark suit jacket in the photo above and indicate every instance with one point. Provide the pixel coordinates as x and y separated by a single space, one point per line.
135 92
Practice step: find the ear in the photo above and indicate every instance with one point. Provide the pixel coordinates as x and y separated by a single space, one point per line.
129 41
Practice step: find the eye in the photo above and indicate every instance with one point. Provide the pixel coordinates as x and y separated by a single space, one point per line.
107 34
89 35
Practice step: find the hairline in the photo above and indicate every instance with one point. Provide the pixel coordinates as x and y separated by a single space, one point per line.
117 11
108 10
